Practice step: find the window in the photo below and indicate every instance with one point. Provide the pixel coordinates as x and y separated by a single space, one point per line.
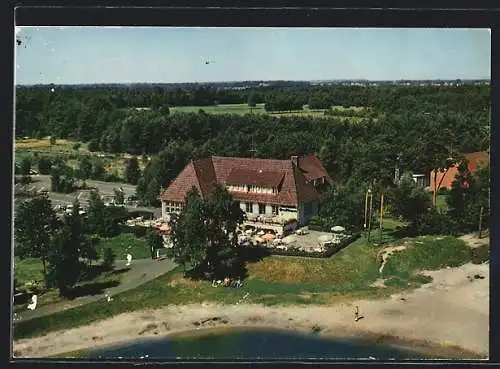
275 210
262 208
248 207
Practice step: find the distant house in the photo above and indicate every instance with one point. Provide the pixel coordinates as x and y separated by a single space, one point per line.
422 180
268 191
445 179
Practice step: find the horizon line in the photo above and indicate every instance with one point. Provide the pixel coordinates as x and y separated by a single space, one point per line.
263 81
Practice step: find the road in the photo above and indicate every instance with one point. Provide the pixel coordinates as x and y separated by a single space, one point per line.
141 271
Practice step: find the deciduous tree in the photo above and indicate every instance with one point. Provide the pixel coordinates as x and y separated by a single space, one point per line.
132 171
35 223
204 234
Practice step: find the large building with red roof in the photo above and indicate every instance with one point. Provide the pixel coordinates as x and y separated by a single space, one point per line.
264 188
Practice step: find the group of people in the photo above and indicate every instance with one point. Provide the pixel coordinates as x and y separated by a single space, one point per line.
227 282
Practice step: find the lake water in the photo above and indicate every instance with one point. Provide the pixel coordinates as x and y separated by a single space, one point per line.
251 344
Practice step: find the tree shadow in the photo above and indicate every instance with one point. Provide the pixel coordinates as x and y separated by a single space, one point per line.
403 232
245 254
91 289
91 272
252 254
119 271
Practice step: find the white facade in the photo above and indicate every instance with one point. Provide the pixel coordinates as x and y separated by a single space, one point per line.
302 215
251 189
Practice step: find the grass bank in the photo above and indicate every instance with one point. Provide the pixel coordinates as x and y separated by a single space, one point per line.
94 280
276 281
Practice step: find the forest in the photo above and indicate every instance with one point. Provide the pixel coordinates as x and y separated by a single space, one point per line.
415 127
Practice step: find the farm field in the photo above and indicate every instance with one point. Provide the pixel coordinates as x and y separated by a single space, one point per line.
240 109
243 109
34 148
44 143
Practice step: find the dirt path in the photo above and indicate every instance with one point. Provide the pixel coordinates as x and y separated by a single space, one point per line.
141 271
472 240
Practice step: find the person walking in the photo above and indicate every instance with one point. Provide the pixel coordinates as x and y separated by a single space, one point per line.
356 313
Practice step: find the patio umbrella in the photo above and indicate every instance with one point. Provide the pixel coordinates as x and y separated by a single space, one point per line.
165 228
338 229
269 236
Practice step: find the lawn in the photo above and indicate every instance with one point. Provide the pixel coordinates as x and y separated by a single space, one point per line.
126 243
28 270
441 204
277 280
31 269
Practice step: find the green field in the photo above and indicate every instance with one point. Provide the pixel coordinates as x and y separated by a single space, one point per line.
240 109
277 280
126 243
28 270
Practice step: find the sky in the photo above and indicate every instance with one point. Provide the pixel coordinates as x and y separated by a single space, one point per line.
74 55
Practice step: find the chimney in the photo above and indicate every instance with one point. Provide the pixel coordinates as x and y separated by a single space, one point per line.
295 160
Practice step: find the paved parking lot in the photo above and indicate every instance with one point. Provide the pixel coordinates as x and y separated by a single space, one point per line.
105 188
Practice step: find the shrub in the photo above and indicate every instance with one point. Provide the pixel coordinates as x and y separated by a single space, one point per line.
480 254
44 165
93 145
77 146
422 279
108 258
139 231
433 222
443 191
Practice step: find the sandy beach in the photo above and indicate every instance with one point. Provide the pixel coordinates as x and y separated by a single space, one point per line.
450 314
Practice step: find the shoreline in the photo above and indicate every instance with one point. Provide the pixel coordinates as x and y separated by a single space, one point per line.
407 320
419 347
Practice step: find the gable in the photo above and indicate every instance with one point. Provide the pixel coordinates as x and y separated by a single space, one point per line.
182 184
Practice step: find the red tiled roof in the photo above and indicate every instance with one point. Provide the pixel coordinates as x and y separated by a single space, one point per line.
312 168
288 193
306 190
447 178
477 159
204 173
185 181
241 176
